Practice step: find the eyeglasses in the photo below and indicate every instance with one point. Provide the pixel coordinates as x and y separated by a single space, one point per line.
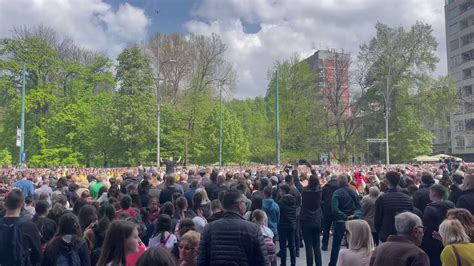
421 227
187 248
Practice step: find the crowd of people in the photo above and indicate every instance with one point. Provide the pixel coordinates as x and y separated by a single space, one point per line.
362 215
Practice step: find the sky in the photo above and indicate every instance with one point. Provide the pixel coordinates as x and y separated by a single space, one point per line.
257 33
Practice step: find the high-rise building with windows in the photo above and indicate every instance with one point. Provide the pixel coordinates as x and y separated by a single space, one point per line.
459 16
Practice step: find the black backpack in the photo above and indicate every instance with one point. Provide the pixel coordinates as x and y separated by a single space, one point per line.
12 251
70 257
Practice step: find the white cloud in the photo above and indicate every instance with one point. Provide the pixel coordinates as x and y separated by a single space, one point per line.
93 24
303 26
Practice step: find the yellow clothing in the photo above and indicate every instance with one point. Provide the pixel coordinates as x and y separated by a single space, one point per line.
466 253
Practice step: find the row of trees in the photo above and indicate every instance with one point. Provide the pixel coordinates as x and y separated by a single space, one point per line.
84 109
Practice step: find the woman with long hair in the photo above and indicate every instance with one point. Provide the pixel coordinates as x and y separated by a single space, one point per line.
67 247
121 239
457 247
361 244
156 257
87 216
201 202
162 236
465 217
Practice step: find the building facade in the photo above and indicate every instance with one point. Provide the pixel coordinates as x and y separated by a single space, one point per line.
459 138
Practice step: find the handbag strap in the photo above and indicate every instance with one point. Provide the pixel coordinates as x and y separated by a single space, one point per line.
456 253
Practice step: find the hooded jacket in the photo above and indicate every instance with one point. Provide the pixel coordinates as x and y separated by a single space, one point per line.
287 204
433 216
311 213
326 197
273 214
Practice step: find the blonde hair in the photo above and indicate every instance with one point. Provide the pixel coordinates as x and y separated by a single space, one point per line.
465 217
205 198
192 237
259 217
453 232
360 236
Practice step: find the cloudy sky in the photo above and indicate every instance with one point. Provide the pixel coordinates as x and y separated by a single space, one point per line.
256 32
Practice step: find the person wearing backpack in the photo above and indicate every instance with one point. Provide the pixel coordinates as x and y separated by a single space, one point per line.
19 239
67 248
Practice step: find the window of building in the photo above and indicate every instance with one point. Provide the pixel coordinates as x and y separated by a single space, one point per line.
454 44
459 125
467 90
460 142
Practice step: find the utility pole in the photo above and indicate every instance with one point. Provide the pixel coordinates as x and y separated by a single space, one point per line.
220 123
277 111
22 121
158 108
388 92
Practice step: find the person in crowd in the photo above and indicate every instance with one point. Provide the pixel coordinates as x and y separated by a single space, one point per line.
170 188
170 164
211 185
126 207
120 240
345 205
94 189
310 219
287 225
78 204
466 199
189 248
293 181
220 187
422 196
455 188
232 238
183 182
26 251
458 249
271 208
326 201
190 192
368 210
153 210
87 216
29 209
466 219
217 211
259 217
202 203
25 185
361 244
256 204
45 188
390 203
156 257
162 237
434 214
46 227
402 248
67 247
182 209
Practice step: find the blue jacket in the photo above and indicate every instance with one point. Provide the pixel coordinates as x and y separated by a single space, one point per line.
26 186
272 210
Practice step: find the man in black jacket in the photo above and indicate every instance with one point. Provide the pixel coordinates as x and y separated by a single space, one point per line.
231 240
456 191
391 203
328 218
287 224
434 215
422 196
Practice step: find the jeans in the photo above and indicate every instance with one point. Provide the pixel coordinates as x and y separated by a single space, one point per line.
312 243
287 235
327 223
339 230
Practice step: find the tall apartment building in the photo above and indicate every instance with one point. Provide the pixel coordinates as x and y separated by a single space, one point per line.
459 17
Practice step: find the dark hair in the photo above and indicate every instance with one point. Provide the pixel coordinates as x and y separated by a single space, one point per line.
156 257
29 200
412 189
162 224
68 225
285 188
186 225
167 208
14 200
289 178
78 204
213 176
87 215
106 210
393 178
257 202
41 207
197 200
313 182
102 190
181 203
427 178
113 249
125 202
230 199
267 192
438 190
170 179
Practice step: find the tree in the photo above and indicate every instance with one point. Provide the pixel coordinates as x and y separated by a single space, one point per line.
235 147
394 59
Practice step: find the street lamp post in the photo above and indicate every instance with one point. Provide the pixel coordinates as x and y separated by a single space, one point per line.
386 96
277 131
22 119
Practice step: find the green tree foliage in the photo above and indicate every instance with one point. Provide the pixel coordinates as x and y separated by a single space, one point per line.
235 147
